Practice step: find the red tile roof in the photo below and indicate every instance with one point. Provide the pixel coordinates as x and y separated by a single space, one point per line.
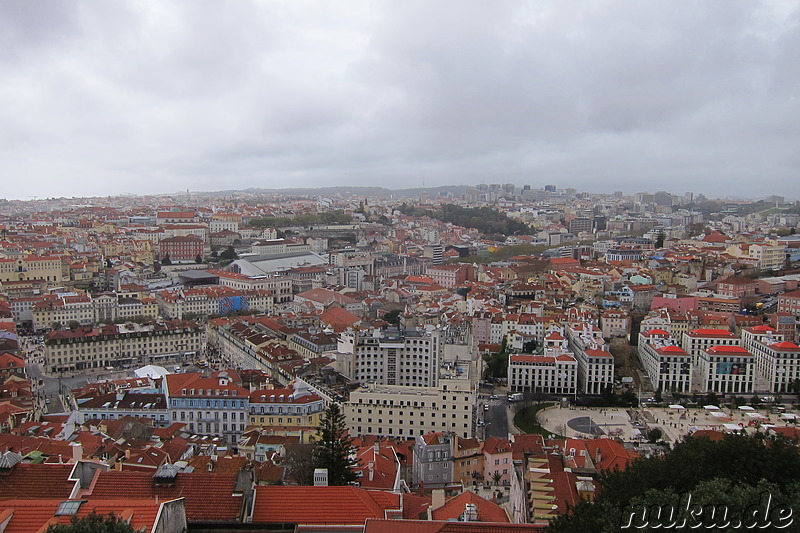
199 489
419 526
27 516
37 481
454 507
331 505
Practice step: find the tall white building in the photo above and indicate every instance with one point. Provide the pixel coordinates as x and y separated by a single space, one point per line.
697 340
389 356
554 372
595 362
727 370
667 364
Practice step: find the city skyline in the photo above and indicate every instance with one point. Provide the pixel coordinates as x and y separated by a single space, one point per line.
153 98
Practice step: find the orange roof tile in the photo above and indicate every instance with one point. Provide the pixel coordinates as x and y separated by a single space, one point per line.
332 505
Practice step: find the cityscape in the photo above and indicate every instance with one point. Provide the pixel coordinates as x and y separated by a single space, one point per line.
399 267
490 352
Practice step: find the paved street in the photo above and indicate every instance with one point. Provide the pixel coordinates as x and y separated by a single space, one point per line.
496 418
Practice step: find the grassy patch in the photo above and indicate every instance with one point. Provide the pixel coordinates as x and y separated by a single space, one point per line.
525 419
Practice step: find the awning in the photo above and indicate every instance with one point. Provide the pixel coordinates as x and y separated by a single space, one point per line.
746 408
676 407
711 407
719 414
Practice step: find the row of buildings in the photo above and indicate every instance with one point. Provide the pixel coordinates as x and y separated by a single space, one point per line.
719 361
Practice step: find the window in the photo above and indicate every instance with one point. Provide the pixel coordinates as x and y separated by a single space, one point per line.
69 507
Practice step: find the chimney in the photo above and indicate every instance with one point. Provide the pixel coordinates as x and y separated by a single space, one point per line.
321 477
437 499
77 451
597 456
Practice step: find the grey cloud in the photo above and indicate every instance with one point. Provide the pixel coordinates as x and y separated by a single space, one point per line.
98 98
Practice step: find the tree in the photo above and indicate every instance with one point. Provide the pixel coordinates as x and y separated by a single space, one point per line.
654 435
334 448
93 523
496 477
73 324
727 472
393 316
300 463
166 261
659 240
229 254
198 259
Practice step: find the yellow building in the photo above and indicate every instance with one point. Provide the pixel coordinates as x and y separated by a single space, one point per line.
32 267
288 412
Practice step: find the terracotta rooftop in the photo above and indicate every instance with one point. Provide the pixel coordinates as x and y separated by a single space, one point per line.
37 481
420 526
454 507
199 488
331 505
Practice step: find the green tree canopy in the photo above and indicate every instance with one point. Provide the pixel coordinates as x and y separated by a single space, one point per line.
93 523
229 254
334 447
731 472
393 316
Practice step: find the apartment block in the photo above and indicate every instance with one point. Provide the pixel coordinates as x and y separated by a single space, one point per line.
556 373
697 340
392 357
595 362
727 370
212 405
667 364
119 345
287 412
777 364
398 411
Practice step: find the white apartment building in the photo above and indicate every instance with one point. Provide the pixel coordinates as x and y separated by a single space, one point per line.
392 357
553 373
595 362
777 364
727 370
697 340
763 333
667 364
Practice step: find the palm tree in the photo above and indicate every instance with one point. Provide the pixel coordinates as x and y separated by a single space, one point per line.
496 477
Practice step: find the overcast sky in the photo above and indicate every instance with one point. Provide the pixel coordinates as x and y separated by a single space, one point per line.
111 97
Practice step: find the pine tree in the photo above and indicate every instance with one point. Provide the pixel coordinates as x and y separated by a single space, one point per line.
335 450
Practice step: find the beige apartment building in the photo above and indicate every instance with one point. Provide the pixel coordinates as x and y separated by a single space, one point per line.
402 412
119 345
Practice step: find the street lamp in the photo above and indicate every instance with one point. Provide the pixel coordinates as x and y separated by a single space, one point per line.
487 424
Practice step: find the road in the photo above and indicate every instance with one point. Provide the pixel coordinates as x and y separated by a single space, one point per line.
496 418
49 390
